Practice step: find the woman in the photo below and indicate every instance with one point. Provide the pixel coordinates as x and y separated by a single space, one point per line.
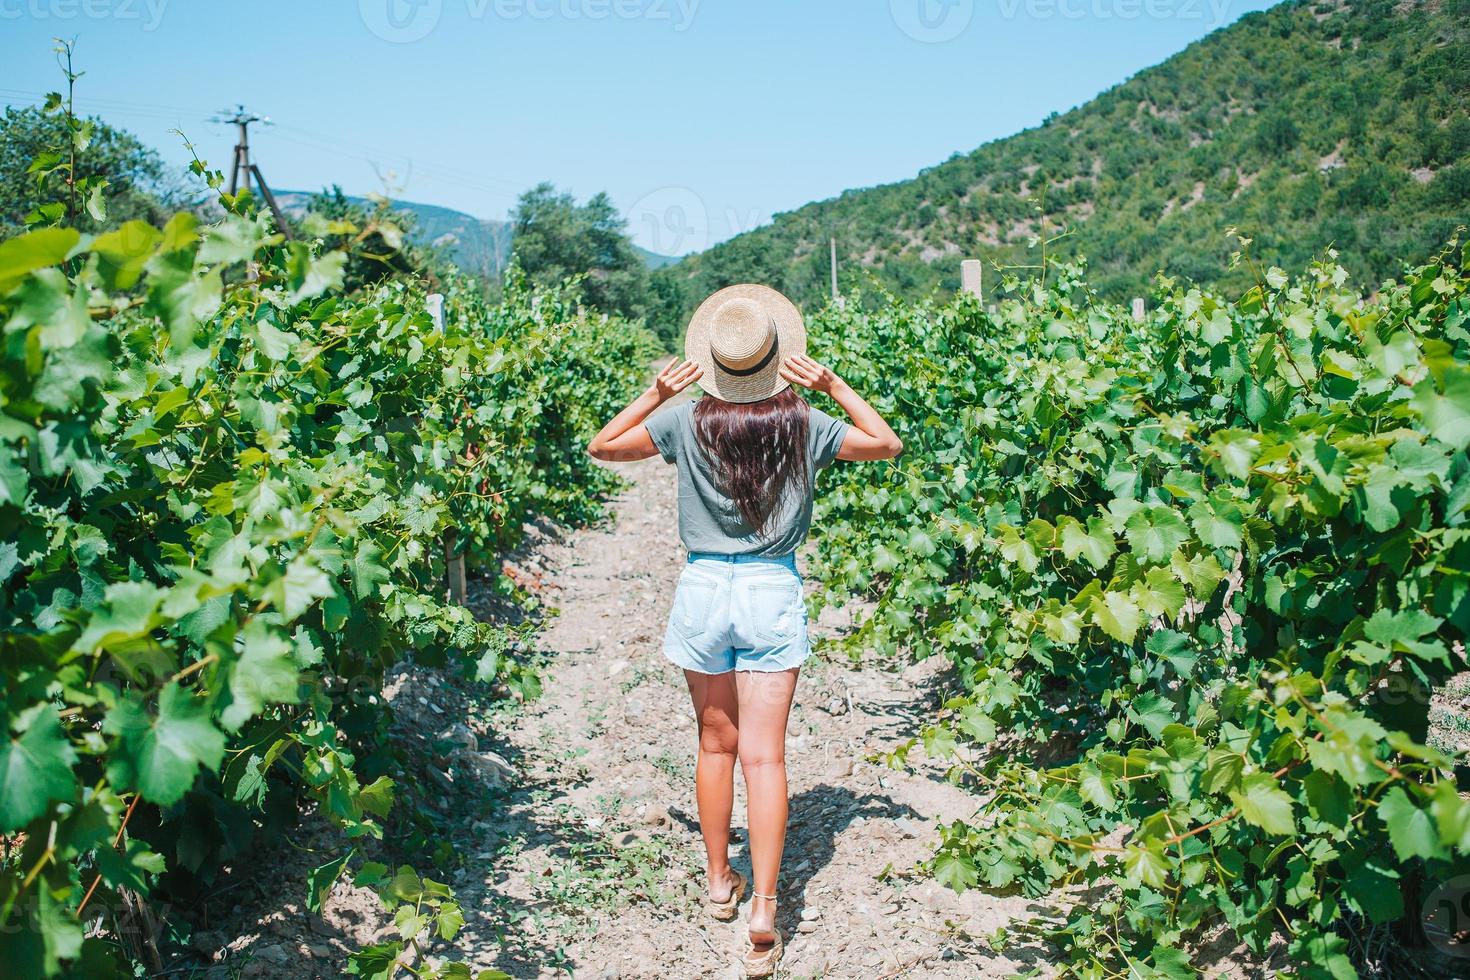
747 454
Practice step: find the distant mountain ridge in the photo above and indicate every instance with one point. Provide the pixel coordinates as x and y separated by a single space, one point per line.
1316 123
478 245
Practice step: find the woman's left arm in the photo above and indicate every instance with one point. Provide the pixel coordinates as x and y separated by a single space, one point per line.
625 439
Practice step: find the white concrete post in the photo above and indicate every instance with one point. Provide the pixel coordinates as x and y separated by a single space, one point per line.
972 277
458 585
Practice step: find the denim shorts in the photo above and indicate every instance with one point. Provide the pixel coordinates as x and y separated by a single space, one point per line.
738 612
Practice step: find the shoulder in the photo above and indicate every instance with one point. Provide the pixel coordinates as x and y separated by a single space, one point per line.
672 416
667 428
822 422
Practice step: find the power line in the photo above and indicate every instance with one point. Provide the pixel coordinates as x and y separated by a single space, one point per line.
308 138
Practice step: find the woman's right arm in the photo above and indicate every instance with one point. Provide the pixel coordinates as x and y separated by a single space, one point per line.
870 437
625 439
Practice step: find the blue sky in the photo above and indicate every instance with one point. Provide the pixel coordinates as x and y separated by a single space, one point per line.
701 118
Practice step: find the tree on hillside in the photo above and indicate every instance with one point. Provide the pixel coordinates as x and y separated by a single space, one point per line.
139 184
555 237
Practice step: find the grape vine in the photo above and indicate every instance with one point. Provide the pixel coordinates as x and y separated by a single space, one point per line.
1199 576
223 483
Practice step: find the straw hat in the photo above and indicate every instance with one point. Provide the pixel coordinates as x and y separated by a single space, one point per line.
740 336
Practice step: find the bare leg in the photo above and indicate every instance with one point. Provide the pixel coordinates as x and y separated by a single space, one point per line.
765 704
717 711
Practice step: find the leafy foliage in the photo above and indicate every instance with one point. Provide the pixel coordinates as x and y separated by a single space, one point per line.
54 167
389 248
1199 576
223 483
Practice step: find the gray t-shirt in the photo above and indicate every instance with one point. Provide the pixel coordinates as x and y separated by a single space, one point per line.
709 521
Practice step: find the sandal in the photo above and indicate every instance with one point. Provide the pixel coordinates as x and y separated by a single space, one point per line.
727 910
762 963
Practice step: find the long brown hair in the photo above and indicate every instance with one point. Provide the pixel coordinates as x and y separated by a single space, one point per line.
758 450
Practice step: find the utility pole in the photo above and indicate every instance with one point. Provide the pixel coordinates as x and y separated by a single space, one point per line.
243 168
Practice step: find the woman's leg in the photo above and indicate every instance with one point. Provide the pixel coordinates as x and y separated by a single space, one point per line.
765 704
716 708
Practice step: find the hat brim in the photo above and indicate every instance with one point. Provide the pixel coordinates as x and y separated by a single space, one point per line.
790 341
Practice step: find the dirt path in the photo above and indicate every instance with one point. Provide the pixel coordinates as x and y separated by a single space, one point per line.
573 819
596 848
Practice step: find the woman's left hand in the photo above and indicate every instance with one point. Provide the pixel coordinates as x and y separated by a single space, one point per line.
802 370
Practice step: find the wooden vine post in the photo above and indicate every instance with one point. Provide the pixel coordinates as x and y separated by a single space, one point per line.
1139 311
457 587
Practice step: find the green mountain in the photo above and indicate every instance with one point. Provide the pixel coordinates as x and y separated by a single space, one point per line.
652 259
1310 125
478 245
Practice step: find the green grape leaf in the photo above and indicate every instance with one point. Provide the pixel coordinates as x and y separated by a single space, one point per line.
1375 888
377 797
1447 414
1093 788
955 871
34 250
1159 594
264 673
35 769
1153 711
1202 573
1265 804
1018 550
1155 532
1117 615
1063 626
1411 830
1236 452
130 867
160 755
1218 526
320 880
295 591
1404 626
1328 798
1145 866
1094 543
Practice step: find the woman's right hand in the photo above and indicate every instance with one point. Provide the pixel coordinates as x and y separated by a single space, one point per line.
674 379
